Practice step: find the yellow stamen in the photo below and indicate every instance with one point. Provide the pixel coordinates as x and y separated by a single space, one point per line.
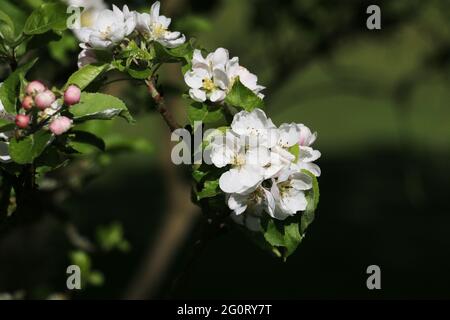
208 84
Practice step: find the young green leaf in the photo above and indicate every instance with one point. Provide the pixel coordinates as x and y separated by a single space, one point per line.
9 90
49 16
198 111
7 29
99 106
283 237
25 150
242 97
210 189
83 77
284 234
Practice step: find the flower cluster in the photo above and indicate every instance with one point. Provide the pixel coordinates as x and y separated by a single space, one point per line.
264 167
40 108
106 29
211 78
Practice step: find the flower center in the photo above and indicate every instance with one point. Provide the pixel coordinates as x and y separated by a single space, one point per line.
208 84
105 33
158 31
239 160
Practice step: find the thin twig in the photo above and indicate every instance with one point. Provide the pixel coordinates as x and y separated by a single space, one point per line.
161 105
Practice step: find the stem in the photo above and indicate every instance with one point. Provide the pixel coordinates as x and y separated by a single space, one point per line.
161 105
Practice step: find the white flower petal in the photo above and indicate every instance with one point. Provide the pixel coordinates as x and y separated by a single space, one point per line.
198 95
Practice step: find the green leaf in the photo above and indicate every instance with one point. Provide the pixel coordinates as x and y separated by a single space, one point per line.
16 14
83 77
283 234
312 196
7 29
49 16
198 111
99 106
25 150
198 175
182 53
283 237
84 137
242 97
9 90
139 74
210 189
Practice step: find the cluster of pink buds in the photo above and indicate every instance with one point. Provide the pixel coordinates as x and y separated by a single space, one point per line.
38 96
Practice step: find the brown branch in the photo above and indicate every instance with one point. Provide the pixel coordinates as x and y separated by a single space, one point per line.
161 105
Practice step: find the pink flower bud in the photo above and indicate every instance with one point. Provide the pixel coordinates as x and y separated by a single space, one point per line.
27 103
22 121
35 87
72 95
60 125
45 99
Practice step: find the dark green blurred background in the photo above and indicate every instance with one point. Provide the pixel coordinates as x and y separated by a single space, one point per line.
380 102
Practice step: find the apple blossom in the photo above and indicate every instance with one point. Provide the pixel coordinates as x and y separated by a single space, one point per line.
35 87
208 79
289 194
27 103
86 56
248 79
22 121
44 99
106 28
247 168
72 95
263 176
60 125
307 155
254 205
155 28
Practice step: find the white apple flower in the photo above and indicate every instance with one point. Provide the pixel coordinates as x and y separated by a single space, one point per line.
106 28
156 28
263 176
247 209
208 79
86 56
307 155
256 126
261 132
289 193
246 165
248 79
259 201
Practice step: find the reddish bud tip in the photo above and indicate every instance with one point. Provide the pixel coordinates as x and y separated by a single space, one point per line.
45 99
35 87
72 95
22 121
60 125
27 103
